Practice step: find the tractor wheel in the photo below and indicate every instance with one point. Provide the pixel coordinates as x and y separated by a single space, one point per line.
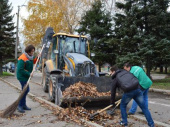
45 80
58 96
51 91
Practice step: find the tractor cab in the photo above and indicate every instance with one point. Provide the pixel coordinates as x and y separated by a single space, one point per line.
65 46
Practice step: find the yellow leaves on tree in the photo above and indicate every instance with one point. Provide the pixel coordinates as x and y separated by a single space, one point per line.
62 15
42 13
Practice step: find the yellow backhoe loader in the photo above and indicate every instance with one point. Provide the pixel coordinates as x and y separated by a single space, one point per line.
65 61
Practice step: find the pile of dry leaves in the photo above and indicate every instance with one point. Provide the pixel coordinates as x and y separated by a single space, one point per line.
78 113
83 89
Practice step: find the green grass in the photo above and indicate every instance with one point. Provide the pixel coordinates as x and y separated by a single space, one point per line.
6 74
161 84
155 72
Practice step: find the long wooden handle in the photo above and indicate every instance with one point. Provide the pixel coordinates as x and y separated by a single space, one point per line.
35 66
105 108
117 103
95 114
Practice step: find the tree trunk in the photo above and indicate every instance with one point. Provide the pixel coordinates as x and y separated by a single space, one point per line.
155 68
99 67
1 67
161 69
148 66
166 69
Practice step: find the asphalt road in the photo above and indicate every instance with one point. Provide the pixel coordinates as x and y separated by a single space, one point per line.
159 105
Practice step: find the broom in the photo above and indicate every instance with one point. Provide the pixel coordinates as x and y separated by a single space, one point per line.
11 109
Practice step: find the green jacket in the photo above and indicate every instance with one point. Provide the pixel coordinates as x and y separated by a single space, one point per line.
24 68
139 73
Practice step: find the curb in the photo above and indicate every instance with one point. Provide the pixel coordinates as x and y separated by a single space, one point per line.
167 92
41 100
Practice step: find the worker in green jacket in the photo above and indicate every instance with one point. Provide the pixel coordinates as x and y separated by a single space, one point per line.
24 71
144 81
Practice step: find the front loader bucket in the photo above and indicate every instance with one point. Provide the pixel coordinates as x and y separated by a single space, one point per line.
88 101
103 84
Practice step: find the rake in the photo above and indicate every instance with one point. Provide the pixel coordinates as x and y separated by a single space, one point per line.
92 116
11 109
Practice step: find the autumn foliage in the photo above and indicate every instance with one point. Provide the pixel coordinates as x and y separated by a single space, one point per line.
62 15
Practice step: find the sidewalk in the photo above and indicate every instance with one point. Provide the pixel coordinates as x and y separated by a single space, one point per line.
162 91
158 76
38 117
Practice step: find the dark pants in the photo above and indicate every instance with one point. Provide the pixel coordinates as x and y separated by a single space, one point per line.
137 95
23 100
135 105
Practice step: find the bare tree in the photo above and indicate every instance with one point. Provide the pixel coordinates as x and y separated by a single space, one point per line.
72 11
110 6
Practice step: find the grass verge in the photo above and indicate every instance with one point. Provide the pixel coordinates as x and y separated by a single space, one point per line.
161 84
6 74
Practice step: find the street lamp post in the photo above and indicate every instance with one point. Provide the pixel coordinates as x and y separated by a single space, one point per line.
17 38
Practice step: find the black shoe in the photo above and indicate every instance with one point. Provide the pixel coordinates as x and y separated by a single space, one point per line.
26 108
20 109
129 113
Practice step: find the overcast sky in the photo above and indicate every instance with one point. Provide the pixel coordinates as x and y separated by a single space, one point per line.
23 13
